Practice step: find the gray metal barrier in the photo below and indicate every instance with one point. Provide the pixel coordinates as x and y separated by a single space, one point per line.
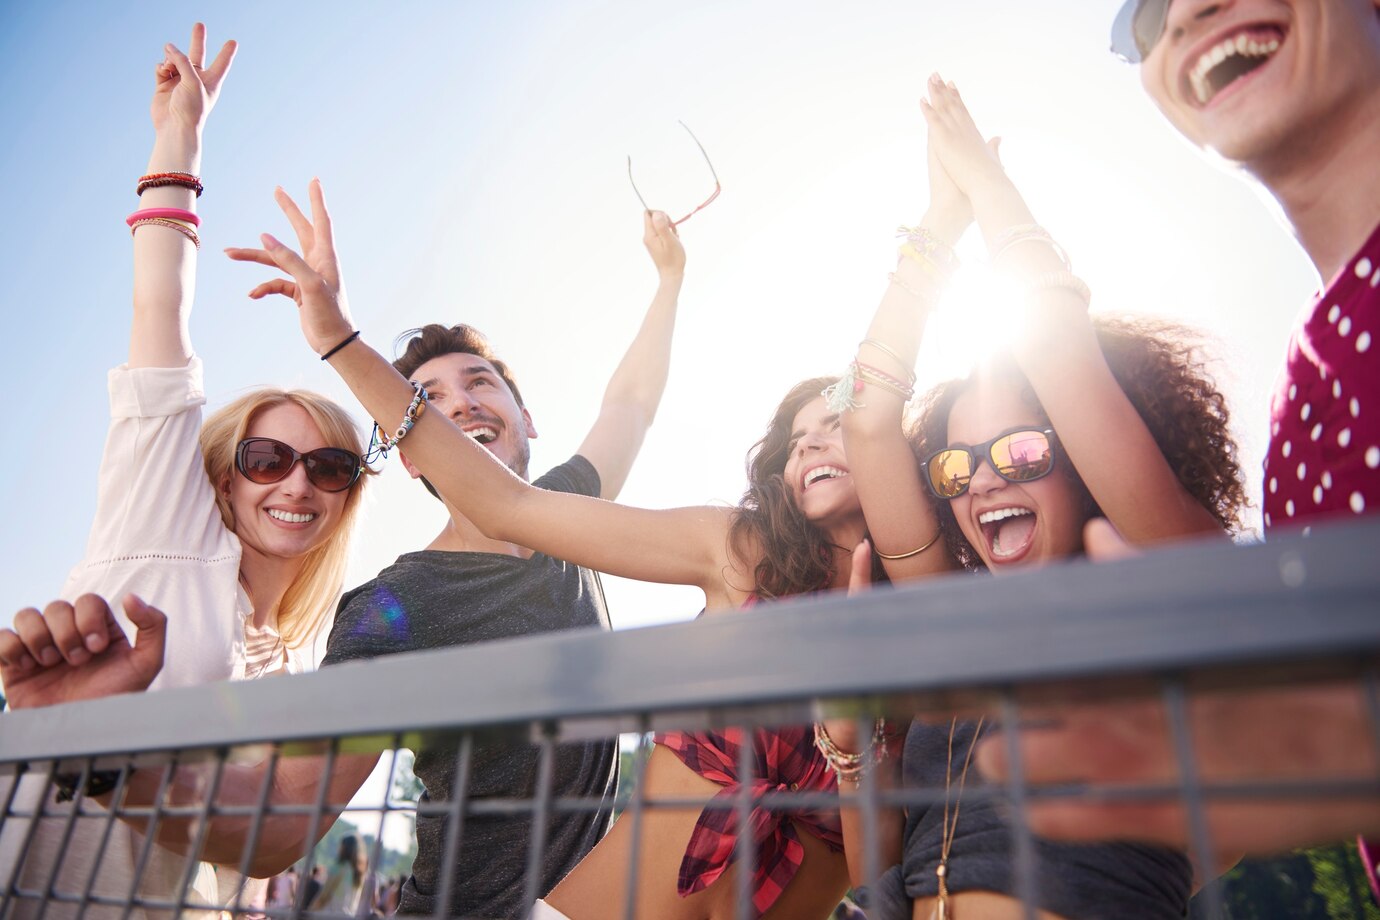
1176 621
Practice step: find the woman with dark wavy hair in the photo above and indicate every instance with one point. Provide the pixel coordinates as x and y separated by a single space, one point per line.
1083 423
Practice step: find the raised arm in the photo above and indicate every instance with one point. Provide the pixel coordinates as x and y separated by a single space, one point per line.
900 515
1100 429
185 90
682 546
634 390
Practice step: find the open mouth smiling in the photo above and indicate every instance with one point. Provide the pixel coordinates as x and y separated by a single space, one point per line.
484 434
1008 532
821 473
1229 59
290 517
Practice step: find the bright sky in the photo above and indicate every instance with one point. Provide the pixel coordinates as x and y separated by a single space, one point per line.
474 154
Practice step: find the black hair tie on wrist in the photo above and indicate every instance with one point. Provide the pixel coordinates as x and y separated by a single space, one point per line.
348 339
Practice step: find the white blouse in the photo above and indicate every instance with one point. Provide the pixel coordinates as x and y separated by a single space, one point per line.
157 533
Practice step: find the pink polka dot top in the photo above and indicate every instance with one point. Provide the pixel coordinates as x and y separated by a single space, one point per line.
1324 456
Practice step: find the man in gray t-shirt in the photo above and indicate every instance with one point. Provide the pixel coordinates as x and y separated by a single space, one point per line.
465 587
435 599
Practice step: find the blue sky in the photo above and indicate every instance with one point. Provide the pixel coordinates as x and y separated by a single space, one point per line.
474 159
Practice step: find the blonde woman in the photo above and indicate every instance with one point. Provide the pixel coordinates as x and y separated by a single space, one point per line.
239 526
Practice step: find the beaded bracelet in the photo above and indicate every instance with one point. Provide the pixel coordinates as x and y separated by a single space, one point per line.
181 228
158 180
1061 280
380 443
844 764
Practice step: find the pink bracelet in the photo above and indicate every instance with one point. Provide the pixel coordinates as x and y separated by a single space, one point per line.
166 213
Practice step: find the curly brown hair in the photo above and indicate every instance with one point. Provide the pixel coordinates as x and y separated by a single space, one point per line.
795 555
1162 370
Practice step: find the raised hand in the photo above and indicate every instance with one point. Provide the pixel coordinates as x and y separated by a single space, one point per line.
964 161
186 89
316 285
662 240
78 651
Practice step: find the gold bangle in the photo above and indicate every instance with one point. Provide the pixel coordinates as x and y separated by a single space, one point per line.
914 552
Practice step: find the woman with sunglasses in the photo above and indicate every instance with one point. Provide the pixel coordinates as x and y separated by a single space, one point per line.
238 527
1083 419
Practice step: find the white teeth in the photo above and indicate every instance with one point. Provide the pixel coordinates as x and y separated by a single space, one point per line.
1001 514
289 517
1203 91
483 435
823 472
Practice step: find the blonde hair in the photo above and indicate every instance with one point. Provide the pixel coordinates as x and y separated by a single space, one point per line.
311 598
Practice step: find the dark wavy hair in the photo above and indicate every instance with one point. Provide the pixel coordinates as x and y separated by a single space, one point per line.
1161 369
796 555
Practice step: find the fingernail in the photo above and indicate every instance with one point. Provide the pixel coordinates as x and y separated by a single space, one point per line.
49 656
78 655
94 643
270 242
26 663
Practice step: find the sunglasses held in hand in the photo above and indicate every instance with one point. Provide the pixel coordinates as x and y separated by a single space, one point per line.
266 461
704 204
1021 455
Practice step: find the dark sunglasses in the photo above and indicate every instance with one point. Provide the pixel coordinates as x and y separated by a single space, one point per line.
1019 455
1138 28
266 461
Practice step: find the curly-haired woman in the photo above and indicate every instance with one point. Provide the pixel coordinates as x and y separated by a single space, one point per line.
1081 420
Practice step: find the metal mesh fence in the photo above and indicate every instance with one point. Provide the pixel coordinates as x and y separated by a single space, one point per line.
252 774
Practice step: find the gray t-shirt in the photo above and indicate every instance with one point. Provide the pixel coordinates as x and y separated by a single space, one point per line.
432 599
1125 881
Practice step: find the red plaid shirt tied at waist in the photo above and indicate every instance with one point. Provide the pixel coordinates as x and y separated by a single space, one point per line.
784 760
